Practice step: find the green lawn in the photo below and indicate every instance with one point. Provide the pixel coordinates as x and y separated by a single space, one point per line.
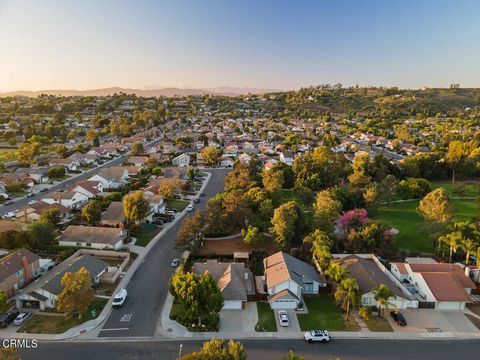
323 313
404 217
177 204
147 233
378 324
8 154
266 318
52 324
470 189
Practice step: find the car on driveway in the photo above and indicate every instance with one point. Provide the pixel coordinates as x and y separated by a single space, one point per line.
119 298
283 317
22 318
7 318
317 335
32 202
190 208
175 262
9 215
398 318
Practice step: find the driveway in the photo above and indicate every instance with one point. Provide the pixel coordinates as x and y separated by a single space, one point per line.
292 318
239 320
430 320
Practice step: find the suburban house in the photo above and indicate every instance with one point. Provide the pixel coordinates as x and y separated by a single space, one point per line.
225 161
34 211
112 177
288 278
370 273
43 293
85 159
138 160
182 160
14 178
441 286
93 237
157 202
177 172
103 152
17 270
88 188
245 159
37 173
234 280
69 199
113 215
69 164
287 157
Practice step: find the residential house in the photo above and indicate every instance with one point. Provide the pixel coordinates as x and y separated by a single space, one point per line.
88 188
370 273
93 237
288 278
245 159
114 215
17 270
43 293
287 157
13 178
33 212
85 159
37 173
226 162
138 160
157 202
103 152
233 279
113 177
69 199
182 160
69 164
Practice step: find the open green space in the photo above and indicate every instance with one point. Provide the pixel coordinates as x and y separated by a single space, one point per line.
323 313
453 189
8 154
412 235
177 204
266 318
378 324
147 233
57 324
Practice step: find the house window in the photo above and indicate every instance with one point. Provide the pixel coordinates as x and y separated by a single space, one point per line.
366 301
89 244
20 272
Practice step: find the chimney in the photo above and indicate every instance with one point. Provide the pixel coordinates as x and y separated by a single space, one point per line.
58 195
26 270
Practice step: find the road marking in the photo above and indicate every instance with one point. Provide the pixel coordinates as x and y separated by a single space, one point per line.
126 318
115 329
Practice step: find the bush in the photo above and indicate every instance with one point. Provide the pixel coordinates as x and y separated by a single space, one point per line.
134 230
56 172
414 188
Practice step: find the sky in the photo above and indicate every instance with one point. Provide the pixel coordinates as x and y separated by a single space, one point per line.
88 44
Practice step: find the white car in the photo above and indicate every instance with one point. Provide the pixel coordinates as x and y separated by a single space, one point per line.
9 215
22 318
32 202
317 335
119 298
175 262
283 317
190 208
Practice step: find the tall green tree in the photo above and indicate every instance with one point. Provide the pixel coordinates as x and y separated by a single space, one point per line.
252 236
347 295
382 295
283 225
92 212
135 206
326 210
436 209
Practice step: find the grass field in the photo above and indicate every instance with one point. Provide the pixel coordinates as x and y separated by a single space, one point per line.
147 233
8 154
177 204
53 324
266 318
470 189
404 217
323 313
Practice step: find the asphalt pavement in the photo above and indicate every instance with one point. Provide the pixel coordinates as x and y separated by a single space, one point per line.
148 287
264 349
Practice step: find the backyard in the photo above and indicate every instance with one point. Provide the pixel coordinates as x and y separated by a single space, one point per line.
412 235
57 324
147 233
266 318
323 313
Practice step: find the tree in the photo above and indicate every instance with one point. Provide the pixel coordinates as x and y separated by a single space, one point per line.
77 293
272 180
191 232
96 141
436 209
135 206
51 216
56 172
217 349
210 155
27 151
169 187
92 212
325 210
382 294
388 188
236 207
3 301
347 294
477 256
451 241
191 173
414 188
252 236
137 148
292 356
336 272
40 235
468 246
320 246
362 169
283 225
371 196
455 157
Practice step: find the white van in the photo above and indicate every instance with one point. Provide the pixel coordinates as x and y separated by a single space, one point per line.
119 298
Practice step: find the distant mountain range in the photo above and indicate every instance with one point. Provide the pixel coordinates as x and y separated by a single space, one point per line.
170 91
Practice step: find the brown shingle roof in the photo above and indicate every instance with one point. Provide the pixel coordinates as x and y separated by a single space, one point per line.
114 212
12 263
453 269
445 287
92 234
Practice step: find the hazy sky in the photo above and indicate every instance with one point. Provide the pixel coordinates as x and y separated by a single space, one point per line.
85 44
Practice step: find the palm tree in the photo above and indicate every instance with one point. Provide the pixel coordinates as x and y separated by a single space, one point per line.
347 294
382 294
477 256
468 246
336 272
451 241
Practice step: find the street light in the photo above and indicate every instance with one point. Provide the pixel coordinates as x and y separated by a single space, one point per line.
180 350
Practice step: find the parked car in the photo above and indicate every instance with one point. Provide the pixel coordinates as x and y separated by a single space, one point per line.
190 208
202 194
32 202
9 215
196 200
7 203
22 318
43 190
317 335
7 318
29 195
398 318
175 262
157 221
119 298
283 317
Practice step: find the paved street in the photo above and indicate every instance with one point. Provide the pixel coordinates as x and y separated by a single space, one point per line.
264 349
148 287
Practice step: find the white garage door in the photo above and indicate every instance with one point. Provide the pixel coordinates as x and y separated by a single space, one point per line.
232 304
284 304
